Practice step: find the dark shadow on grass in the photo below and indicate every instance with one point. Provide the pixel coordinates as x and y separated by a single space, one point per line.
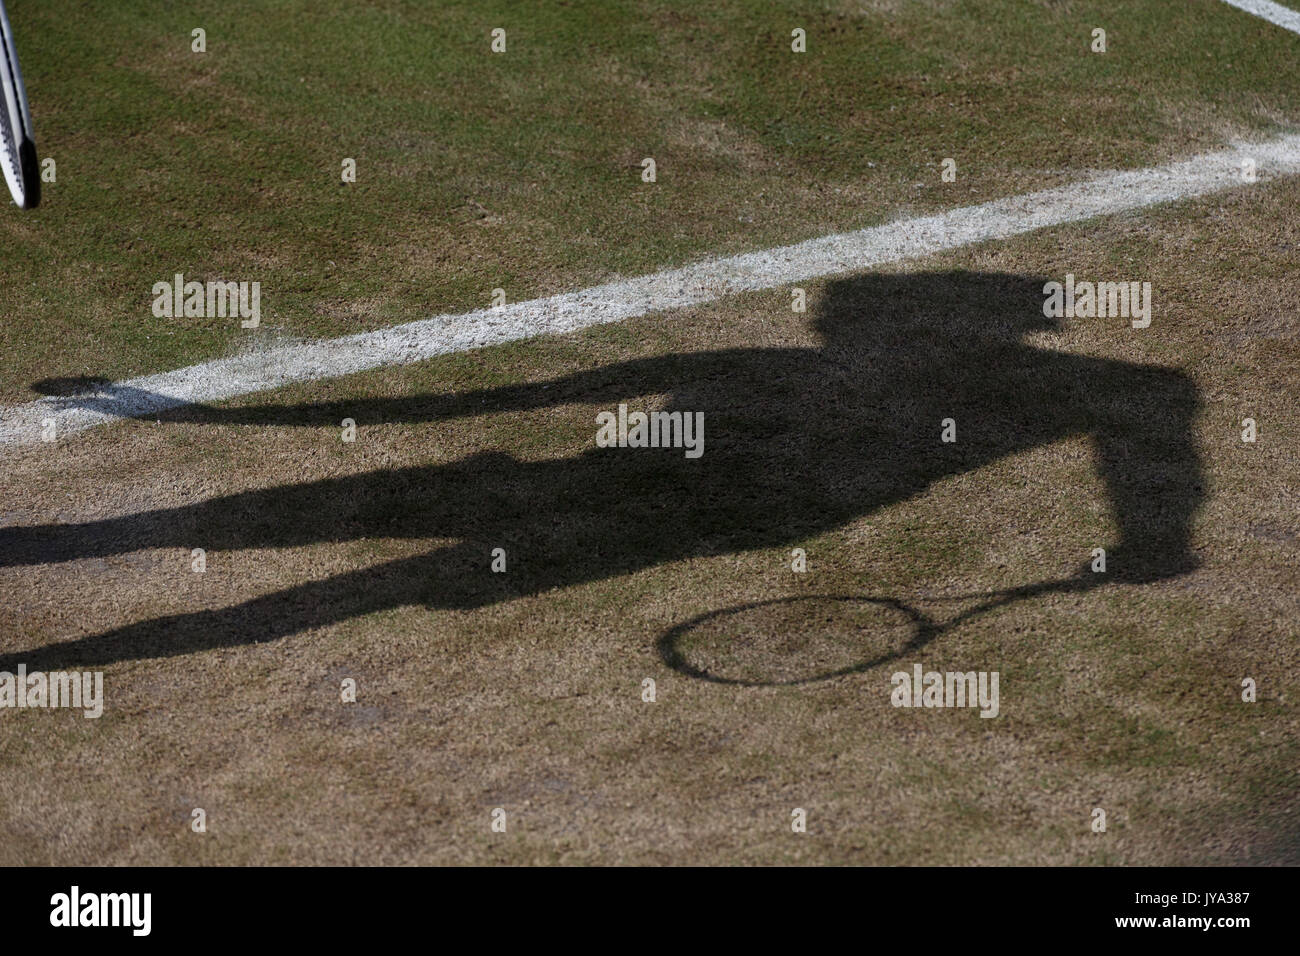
924 628
798 441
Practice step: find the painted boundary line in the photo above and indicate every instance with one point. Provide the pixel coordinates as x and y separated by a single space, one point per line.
696 284
1284 17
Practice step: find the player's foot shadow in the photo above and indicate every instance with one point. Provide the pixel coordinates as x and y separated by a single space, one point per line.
797 442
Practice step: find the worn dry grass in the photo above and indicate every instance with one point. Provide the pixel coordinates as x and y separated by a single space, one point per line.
523 690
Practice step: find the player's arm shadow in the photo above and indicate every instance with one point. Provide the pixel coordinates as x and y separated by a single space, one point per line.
802 441
619 382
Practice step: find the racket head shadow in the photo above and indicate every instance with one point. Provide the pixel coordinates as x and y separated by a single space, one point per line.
714 646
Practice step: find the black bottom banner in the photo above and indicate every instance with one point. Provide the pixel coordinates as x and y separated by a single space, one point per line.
1224 907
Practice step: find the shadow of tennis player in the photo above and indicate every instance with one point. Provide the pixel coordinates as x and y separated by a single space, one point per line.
798 441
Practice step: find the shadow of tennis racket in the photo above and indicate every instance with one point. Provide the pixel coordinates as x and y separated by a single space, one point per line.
908 628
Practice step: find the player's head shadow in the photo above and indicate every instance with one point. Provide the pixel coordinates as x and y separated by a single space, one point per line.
800 442
910 313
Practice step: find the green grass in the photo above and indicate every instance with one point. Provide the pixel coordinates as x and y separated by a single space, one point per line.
520 170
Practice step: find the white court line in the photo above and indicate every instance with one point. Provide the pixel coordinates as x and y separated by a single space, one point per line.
672 289
1284 17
